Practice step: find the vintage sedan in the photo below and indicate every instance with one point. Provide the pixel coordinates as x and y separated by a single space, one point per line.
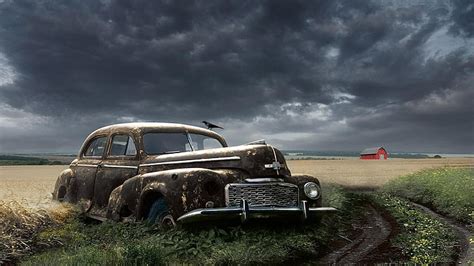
169 173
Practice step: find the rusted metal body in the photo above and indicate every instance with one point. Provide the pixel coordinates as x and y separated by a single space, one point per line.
196 185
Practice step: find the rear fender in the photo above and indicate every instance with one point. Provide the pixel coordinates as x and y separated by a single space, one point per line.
64 189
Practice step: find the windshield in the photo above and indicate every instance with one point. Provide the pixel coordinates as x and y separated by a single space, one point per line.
163 143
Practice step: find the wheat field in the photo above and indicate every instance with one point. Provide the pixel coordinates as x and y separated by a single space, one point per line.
355 173
32 185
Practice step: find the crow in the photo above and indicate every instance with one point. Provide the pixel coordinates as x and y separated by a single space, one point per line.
211 125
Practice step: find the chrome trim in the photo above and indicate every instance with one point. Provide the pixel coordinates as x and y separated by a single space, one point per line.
232 158
226 188
120 166
87 165
245 212
276 165
244 206
262 180
319 190
304 208
321 209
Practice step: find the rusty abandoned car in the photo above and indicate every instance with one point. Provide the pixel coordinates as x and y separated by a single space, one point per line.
170 173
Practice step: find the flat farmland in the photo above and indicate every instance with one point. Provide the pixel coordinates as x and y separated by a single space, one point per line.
29 184
33 185
355 173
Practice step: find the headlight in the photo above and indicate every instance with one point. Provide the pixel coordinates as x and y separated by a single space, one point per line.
312 190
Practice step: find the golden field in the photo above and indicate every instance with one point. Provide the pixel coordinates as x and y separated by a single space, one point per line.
29 184
33 185
355 173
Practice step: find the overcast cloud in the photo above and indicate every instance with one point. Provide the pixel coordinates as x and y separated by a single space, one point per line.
316 75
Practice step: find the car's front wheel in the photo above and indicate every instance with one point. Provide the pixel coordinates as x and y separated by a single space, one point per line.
159 214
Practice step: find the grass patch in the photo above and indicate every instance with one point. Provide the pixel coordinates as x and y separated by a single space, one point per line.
423 239
20 225
447 190
139 244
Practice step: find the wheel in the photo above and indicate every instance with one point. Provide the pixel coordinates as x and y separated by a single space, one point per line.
159 214
61 193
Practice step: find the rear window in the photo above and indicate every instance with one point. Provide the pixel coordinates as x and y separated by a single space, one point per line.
96 147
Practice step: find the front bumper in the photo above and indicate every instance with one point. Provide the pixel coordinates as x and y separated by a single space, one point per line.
245 212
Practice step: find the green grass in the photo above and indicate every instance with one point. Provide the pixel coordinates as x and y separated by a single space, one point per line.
111 243
421 238
449 191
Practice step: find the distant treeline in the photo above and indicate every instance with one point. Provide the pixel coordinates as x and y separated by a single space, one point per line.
22 160
297 154
408 155
322 153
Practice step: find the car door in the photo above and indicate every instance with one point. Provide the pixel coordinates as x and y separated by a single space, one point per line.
120 163
86 169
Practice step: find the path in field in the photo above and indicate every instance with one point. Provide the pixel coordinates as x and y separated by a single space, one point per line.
375 231
463 234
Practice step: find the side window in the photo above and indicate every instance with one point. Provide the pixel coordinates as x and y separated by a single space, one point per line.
96 147
123 145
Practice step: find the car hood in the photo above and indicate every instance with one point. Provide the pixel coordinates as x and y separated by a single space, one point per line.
255 160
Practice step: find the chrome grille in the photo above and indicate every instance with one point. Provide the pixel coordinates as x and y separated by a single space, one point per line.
267 194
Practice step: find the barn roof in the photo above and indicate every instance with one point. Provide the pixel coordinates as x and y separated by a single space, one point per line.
371 150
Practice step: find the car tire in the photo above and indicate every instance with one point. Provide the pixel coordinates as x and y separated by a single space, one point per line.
159 214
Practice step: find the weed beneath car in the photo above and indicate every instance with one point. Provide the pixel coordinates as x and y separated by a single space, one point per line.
19 225
111 243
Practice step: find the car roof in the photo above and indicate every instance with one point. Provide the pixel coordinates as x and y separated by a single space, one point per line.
144 127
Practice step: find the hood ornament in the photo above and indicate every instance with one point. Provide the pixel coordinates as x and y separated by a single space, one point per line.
275 166
257 142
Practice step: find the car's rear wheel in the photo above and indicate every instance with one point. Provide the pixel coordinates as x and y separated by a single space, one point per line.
159 214
61 193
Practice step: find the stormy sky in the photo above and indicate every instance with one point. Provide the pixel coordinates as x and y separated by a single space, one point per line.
314 75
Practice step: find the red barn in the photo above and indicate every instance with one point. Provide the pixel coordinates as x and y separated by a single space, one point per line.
377 153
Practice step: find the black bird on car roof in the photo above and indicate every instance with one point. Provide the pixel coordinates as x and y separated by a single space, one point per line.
211 125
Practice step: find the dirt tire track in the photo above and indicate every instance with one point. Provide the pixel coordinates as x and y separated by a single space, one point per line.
375 231
463 234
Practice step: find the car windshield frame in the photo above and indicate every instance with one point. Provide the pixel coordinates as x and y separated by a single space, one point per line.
188 142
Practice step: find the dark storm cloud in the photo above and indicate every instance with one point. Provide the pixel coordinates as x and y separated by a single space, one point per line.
165 53
463 17
295 67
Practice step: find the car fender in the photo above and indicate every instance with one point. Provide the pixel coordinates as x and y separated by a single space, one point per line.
300 180
183 189
64 187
